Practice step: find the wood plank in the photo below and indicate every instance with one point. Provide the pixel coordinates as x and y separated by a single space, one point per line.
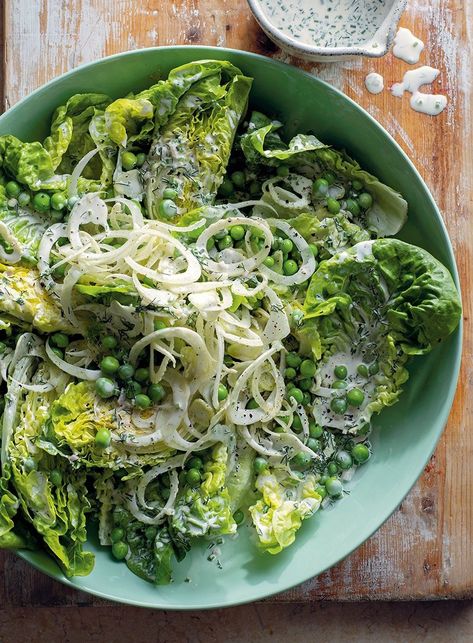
424 550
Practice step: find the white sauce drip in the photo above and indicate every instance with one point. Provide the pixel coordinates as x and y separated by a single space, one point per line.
374 83
407 47
431 104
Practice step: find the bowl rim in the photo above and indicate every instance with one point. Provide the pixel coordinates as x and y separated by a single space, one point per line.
200 52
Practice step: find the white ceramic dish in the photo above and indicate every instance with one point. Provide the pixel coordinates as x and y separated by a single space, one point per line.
375 47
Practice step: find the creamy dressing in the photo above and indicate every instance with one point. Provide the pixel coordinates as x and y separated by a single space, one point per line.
327 23
431 104
407 47
374 83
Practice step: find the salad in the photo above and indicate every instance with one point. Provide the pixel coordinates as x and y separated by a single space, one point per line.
199 320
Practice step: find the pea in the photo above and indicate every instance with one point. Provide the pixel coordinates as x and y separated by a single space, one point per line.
306 399
282 171
13 189
156 392
305 384
117 534
286 245
290 267
307 368
320 187
120 517
340 372
126 372
321 490
167 209
290 373
360 453
105 387
352 206
56 216
109 342
323 479
296 394
332 468
61 340
269 262
225 242
170 193
151 532
315 430
58 201
313 444
334 487
373 368
255 188
296 424
193 477
357 185
41 202
23 199
140 159
362 370
252 404
142 374
58 352
260 465
128 160
222 392
142 401
314 249
329 177
293 360
120 550
355 397
159 324
238 179
226 187
102 438
239 516
55 477
109 365
133 389
195 463
275 243
333 206
72 201
338 405
339 384
237 232
365 200
302 460
344 460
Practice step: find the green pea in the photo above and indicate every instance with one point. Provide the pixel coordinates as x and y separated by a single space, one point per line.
109 365
332 468
226 187
109 342
151 532
142 374
128 160
306 399
357 185
339 384
296 424
362 370
329 177
222 392
269 262
55 477
321 490
275 244
305 384
302 460
238 179
307 368
102 438
133 389
56 216
344 460
120 550
195 463
323 479
338 405
170 193
252 404
142 401
156 392
225 242
334 487
126 372
237 232
140 159
120 517
255 188
352 206
167 209
41 202
340 372
58 201
365 200
320 188
360 453
296 394
72 201
260 465
286 245
355 397
23 199
315 430
314 249
374 368
239 516
293 360
159 324
58 352
290 267
282 171
61 340
193 477
290 373
117 534
12 189
333 206
313 444
105 387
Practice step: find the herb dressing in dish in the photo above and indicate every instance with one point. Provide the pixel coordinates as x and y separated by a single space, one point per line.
374 83
328 23
431 104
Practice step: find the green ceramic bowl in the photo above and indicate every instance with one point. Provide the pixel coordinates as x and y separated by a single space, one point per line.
406 434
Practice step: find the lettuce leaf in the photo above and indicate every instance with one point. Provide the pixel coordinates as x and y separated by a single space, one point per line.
21 231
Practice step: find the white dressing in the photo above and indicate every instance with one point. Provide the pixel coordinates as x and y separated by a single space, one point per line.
407 47
431 104
374 83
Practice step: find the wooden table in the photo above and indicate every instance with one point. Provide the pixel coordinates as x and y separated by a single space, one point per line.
425 549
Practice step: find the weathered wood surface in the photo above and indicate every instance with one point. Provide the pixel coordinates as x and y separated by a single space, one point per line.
424 550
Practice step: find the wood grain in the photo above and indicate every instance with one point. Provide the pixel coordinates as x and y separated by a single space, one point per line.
424 550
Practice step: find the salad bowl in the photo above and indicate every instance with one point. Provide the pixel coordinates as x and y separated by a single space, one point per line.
218 574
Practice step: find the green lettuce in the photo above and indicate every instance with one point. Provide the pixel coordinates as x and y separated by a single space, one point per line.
21 231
